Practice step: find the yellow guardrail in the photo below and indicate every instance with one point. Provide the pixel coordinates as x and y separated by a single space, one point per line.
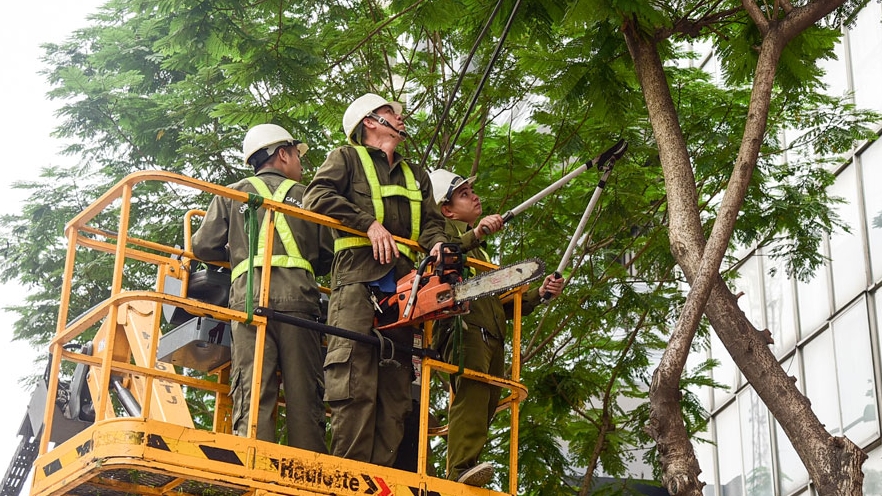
114 355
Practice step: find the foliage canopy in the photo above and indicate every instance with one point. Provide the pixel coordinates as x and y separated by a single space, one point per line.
173 85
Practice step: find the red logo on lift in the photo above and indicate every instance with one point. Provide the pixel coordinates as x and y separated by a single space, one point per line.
381 485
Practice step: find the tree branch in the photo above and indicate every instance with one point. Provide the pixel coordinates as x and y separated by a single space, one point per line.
607 425
756 14
686 26
370 35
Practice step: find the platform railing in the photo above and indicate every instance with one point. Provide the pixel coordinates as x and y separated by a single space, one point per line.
175 261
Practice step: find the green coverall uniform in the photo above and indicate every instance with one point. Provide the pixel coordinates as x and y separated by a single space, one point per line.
294 350
483 347
368 400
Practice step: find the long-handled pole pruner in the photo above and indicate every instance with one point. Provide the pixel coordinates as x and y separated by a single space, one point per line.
612 154
606 167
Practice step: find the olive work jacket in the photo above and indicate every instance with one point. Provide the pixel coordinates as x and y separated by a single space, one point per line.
486 314
340 190
221 237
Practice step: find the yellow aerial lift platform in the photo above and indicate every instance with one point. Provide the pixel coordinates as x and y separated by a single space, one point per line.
136 435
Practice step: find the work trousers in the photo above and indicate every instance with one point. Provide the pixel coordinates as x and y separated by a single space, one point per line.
474 402
369 398
297 353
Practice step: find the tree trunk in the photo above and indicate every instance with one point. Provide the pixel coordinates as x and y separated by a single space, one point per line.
680 468
832 462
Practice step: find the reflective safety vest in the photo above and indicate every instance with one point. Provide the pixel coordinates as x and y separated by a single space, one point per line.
380 191
292 257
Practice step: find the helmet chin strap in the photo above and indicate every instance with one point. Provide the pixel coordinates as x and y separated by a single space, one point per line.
379 118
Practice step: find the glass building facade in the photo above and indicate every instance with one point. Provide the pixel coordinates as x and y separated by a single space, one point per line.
826 330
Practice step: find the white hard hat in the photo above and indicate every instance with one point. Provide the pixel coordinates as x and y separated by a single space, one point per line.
268 137
361 107
444 183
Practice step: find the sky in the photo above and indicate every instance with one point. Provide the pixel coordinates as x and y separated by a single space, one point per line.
28 119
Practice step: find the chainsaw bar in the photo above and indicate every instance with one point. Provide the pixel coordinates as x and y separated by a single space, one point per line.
499 280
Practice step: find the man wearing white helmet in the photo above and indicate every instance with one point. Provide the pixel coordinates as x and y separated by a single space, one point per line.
301 251
369 186
483 332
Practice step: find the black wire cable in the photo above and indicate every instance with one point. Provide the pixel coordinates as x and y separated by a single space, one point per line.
484 77
462 73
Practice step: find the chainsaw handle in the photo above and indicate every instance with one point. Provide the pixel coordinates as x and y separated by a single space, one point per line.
430 259
416 284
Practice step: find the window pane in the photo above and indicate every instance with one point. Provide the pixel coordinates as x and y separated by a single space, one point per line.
854 363
703 393
820 381
791 472
814 302
779 306
704 453
878 317
750 283
865 41
873 473
846 249
729 450
835 76
756 451
725 373
871 166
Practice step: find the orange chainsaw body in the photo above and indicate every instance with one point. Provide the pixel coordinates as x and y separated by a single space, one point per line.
431 296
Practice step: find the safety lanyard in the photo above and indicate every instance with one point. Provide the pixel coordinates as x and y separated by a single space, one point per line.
257 239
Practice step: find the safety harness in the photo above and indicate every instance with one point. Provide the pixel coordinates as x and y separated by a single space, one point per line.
470 271
257 242
458 324
380 191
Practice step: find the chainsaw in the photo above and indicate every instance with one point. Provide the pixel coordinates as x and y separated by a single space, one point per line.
442 292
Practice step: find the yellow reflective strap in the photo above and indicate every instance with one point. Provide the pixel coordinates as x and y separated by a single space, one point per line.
416 197
347 242
380 191
292 257
409 191
367 163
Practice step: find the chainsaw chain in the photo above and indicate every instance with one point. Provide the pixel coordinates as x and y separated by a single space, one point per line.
502 274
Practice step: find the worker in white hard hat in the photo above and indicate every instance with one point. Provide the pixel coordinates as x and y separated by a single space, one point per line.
301 251
481 346
368 186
